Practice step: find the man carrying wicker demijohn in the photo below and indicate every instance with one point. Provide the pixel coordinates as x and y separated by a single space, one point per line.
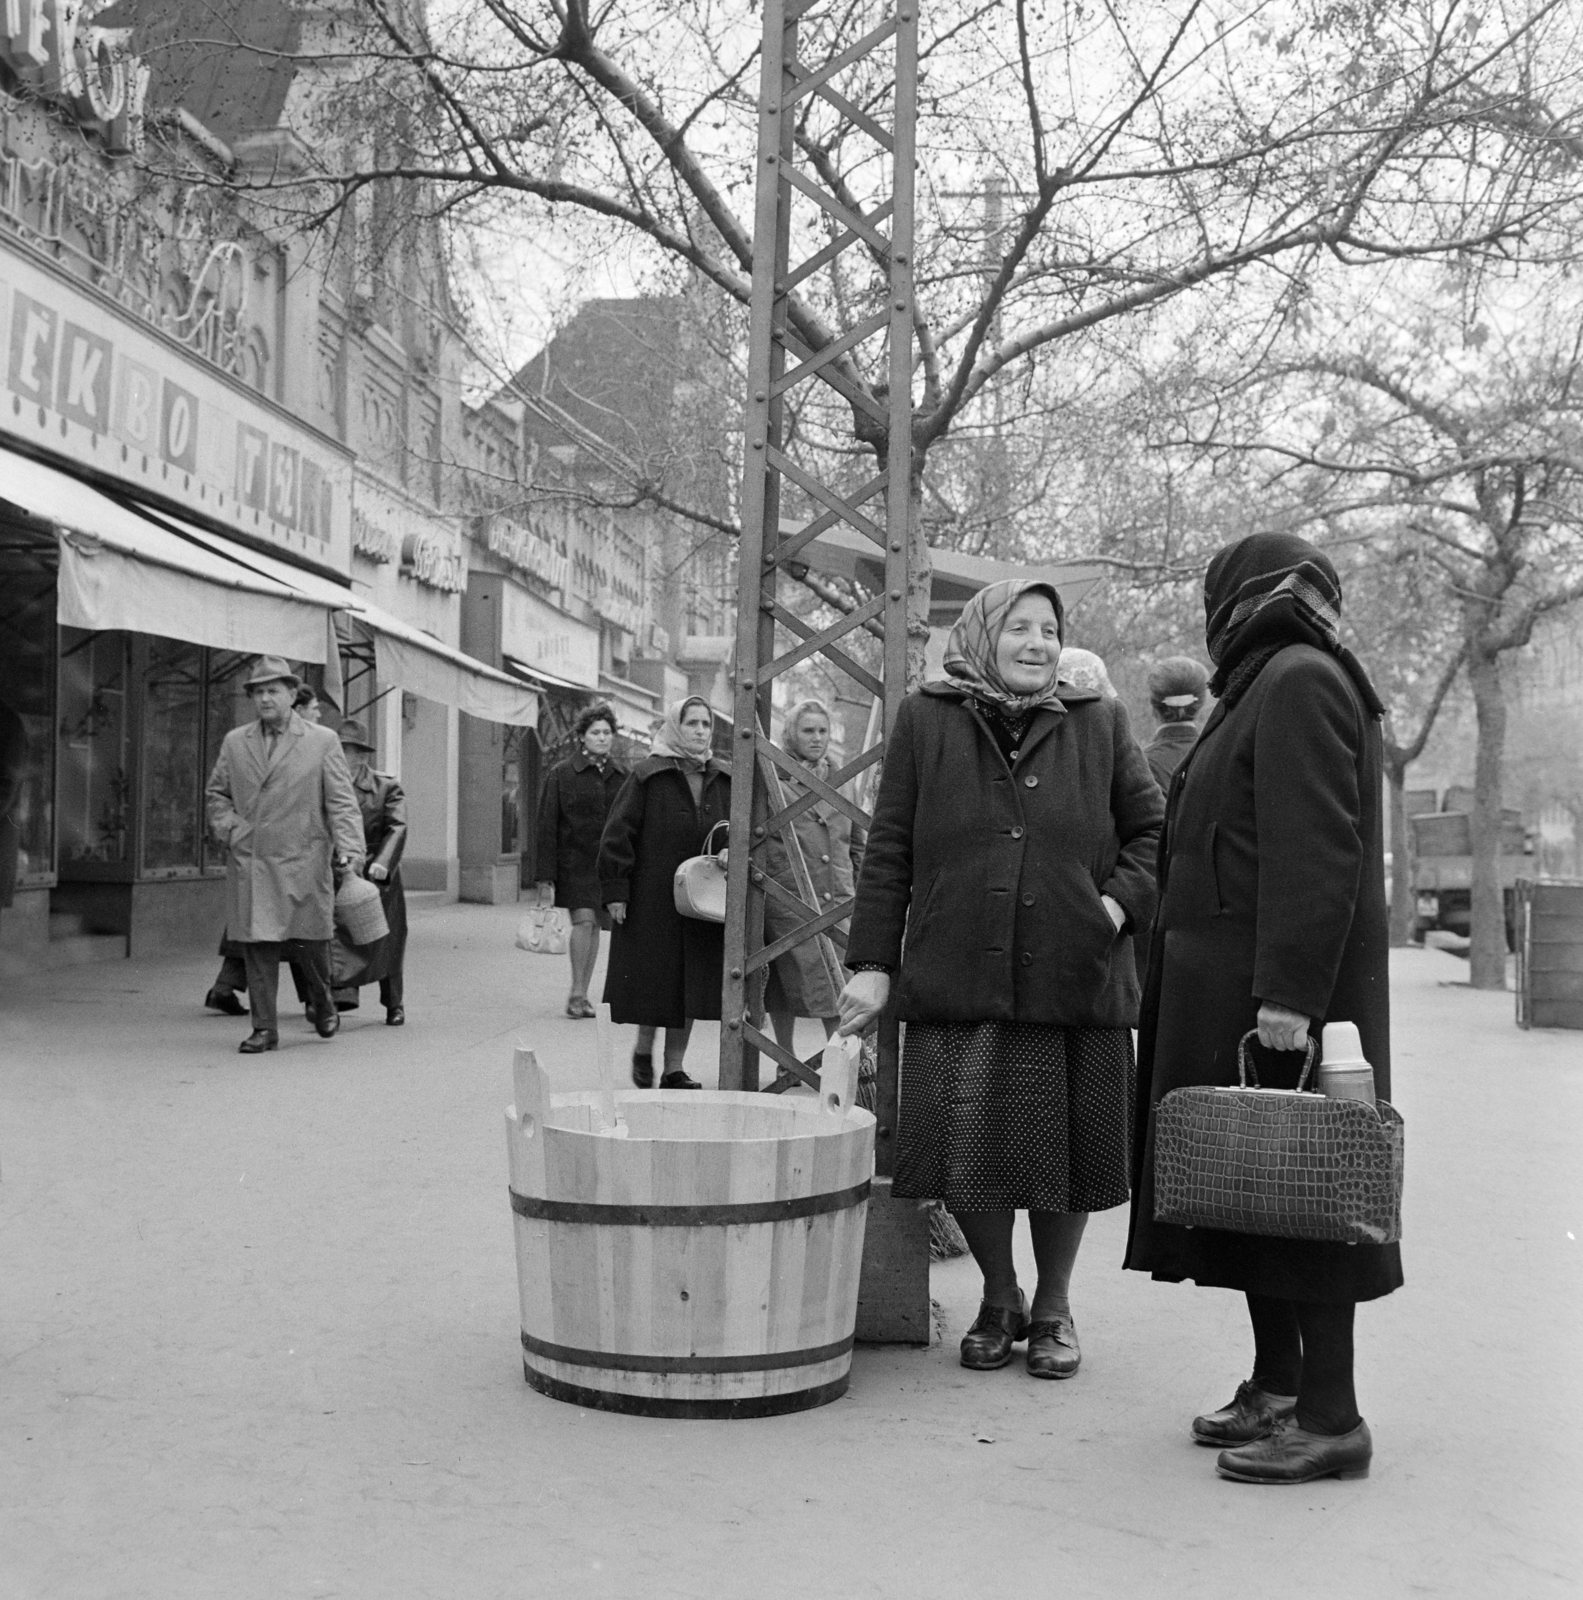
281 801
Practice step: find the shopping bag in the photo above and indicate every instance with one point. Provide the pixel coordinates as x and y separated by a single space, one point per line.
545 931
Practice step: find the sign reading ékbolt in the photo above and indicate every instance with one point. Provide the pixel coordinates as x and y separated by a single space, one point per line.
54 49
91 383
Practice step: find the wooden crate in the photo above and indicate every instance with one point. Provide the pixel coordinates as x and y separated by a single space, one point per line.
1550 953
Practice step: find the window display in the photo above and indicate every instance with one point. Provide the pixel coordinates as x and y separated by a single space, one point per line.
27 672
94 785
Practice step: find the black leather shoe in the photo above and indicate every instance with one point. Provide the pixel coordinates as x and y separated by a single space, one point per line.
327 1023
224 1000
1250 1415
642 1070
1052 1348
395 1017
987 1344
258 1041
679 1080
1290 1454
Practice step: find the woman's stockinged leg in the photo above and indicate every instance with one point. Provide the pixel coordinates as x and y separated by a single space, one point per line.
676 1046
584 946
645 1045
1326 1400
1056 1237
1277 1345
988 1235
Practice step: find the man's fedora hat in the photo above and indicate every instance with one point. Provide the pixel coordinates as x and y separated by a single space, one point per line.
272 669
354 735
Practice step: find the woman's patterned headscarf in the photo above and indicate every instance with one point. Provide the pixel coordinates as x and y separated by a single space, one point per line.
970 651
1263 593
668 741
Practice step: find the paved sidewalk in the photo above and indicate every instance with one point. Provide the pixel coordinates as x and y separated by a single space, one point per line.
258 1341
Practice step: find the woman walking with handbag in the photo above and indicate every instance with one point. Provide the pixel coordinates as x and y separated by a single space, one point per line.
1010 857
665 969
799 984
1272 919
573 807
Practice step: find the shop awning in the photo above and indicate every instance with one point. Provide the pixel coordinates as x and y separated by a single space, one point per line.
119 569
542 679
420 664
405 657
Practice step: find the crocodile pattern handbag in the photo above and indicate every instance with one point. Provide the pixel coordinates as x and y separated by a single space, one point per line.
1285 1163
699 886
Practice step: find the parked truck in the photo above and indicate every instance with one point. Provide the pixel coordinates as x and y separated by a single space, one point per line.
1442 865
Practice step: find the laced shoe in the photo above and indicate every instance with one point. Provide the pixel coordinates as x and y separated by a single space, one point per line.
1290 1454
1251 1414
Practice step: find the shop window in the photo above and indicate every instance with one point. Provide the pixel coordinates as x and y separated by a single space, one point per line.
94 784
511 764
225 706
27 685
172 756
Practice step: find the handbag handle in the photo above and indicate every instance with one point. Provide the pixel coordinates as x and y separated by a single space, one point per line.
1247 1073
709 839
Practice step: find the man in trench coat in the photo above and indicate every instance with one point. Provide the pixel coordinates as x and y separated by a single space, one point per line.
281 801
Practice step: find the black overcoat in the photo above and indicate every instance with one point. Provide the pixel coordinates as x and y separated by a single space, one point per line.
665 969
1272 883
573 806
981 880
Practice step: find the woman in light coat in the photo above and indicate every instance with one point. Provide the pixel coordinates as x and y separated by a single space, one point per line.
800 984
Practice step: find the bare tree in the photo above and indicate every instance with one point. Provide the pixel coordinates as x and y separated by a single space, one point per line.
1141 152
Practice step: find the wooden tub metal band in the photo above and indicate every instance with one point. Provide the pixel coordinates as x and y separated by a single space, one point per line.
748 1212
642 1405
774 1361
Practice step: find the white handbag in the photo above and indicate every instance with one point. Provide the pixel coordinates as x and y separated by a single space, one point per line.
545 931
700 882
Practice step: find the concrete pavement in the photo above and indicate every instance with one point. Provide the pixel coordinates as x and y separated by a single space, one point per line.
258 1339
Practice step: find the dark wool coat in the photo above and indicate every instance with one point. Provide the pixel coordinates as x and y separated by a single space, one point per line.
573 806
981 880
1272 885
384 807
1168 749
665 969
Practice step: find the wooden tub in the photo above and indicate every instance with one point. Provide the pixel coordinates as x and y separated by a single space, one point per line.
702 1263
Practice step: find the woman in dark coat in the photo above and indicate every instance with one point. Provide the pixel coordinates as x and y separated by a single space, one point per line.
573 808
1272 918
384 808
800 984
665 969
1011 856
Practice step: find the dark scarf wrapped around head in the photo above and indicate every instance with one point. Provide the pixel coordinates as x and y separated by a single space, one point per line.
1263 593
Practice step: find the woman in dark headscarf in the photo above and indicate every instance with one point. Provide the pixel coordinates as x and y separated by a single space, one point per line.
665 969
1272 917
800 983
1011 856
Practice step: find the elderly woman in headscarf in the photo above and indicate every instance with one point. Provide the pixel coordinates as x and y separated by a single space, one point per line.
1010 858
665 969
1272 919
801 983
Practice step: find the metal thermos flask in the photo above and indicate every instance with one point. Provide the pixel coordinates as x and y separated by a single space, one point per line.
1343 1072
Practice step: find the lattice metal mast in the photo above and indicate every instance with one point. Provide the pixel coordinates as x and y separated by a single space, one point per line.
779 361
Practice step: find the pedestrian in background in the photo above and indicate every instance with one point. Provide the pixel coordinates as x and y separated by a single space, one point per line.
1085 670
384 810
832 846
573 807
1272 918
1010 857
281 801
231 979
1178 688
665 969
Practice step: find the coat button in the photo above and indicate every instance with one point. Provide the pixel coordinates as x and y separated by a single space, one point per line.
1027 958
824 858
1016 833
1027 899
1030 782
827 894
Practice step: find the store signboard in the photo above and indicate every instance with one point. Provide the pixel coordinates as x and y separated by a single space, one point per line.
538 635
85 382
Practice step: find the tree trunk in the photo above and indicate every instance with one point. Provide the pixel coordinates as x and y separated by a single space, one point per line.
1487 957
1404 910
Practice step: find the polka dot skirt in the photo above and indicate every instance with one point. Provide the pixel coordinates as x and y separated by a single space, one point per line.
1015 1116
